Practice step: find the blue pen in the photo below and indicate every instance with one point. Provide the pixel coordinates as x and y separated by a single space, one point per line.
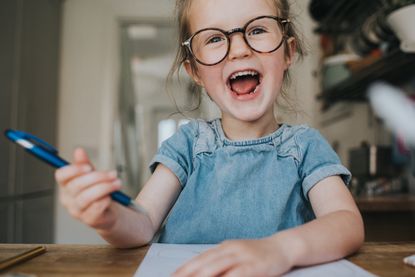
49 154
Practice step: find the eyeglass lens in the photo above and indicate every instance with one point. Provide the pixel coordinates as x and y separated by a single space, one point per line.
263 35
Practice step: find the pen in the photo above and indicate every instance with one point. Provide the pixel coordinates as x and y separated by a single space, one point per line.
47 153
19 258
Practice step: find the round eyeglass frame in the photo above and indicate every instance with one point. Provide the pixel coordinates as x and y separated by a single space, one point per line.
188 42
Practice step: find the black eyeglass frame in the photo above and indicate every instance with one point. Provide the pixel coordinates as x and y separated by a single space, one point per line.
188 42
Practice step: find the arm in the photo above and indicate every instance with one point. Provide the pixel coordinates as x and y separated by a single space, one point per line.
85 193
173 162
336 232
157 197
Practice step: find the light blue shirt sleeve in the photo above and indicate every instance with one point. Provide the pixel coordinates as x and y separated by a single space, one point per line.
177 151
318 160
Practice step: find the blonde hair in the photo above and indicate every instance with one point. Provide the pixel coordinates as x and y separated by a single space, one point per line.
182 15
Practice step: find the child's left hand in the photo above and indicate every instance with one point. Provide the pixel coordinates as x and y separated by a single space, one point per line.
239 258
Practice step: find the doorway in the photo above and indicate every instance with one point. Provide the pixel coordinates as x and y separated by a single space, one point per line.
148 107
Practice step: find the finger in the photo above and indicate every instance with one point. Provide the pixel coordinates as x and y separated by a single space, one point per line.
205 259
216 267
81 157
94 193
63 197
77 185
67 173
243 270
92 216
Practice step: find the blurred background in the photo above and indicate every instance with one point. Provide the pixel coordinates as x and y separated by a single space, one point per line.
92 74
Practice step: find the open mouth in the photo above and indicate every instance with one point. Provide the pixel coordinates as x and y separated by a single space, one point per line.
244 82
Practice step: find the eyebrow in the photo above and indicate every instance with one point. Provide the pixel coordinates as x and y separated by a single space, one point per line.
208 26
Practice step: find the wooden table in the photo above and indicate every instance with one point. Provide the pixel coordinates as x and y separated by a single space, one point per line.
383 259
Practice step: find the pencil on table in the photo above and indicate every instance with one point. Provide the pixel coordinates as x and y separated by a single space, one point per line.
19 258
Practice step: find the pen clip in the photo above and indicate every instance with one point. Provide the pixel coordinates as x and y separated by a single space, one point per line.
37 141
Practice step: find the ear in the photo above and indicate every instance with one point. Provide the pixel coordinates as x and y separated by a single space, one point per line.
192 72
291 47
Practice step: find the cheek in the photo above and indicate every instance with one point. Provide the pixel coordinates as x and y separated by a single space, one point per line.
275 62
211 78
276 70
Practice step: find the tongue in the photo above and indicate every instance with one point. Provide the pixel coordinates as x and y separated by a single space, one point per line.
244 85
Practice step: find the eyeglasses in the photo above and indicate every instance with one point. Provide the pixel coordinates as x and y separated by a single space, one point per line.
263 34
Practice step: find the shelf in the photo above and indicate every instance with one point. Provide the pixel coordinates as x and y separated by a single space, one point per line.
342 16
387 203
395 68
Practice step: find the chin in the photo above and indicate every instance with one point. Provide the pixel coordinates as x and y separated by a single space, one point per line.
249 117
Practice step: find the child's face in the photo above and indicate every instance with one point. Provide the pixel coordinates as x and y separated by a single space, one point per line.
246 99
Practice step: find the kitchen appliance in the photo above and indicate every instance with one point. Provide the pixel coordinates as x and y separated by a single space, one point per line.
372 161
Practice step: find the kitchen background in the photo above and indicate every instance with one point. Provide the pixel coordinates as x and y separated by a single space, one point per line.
91 73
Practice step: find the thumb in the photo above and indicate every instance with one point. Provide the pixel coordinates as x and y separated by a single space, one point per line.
81 157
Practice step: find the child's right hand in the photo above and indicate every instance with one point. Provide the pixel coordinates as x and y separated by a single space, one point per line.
85 192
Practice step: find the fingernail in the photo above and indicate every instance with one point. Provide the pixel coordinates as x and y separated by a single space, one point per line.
113 173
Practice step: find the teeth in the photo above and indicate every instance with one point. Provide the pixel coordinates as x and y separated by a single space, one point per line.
243 73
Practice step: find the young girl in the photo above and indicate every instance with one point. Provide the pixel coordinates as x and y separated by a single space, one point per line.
273 196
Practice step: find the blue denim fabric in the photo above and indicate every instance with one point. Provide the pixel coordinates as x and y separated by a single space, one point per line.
242 189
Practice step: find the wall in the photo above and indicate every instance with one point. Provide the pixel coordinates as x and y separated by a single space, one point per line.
304 84
88 86
356 124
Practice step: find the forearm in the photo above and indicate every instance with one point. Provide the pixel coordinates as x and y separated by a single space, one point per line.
327 238
131 229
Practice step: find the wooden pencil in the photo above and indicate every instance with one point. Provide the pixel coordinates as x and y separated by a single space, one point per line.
19 258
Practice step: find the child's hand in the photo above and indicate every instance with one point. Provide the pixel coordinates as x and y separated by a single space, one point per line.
85 192
238 258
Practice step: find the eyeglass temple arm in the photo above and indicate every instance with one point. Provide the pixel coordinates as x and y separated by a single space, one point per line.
186 43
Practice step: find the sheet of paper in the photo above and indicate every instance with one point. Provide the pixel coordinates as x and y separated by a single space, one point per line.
163 259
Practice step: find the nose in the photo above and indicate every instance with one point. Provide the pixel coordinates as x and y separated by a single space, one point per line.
238 47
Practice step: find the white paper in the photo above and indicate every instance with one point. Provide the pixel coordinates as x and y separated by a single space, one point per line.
340 268
162 260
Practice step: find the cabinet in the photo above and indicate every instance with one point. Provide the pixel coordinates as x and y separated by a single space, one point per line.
388 217
7 219
29 51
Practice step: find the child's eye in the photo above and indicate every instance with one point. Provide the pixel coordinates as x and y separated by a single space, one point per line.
214 39
256 31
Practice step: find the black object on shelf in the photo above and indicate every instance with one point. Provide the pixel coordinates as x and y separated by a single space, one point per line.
342 16
373 161
396 68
